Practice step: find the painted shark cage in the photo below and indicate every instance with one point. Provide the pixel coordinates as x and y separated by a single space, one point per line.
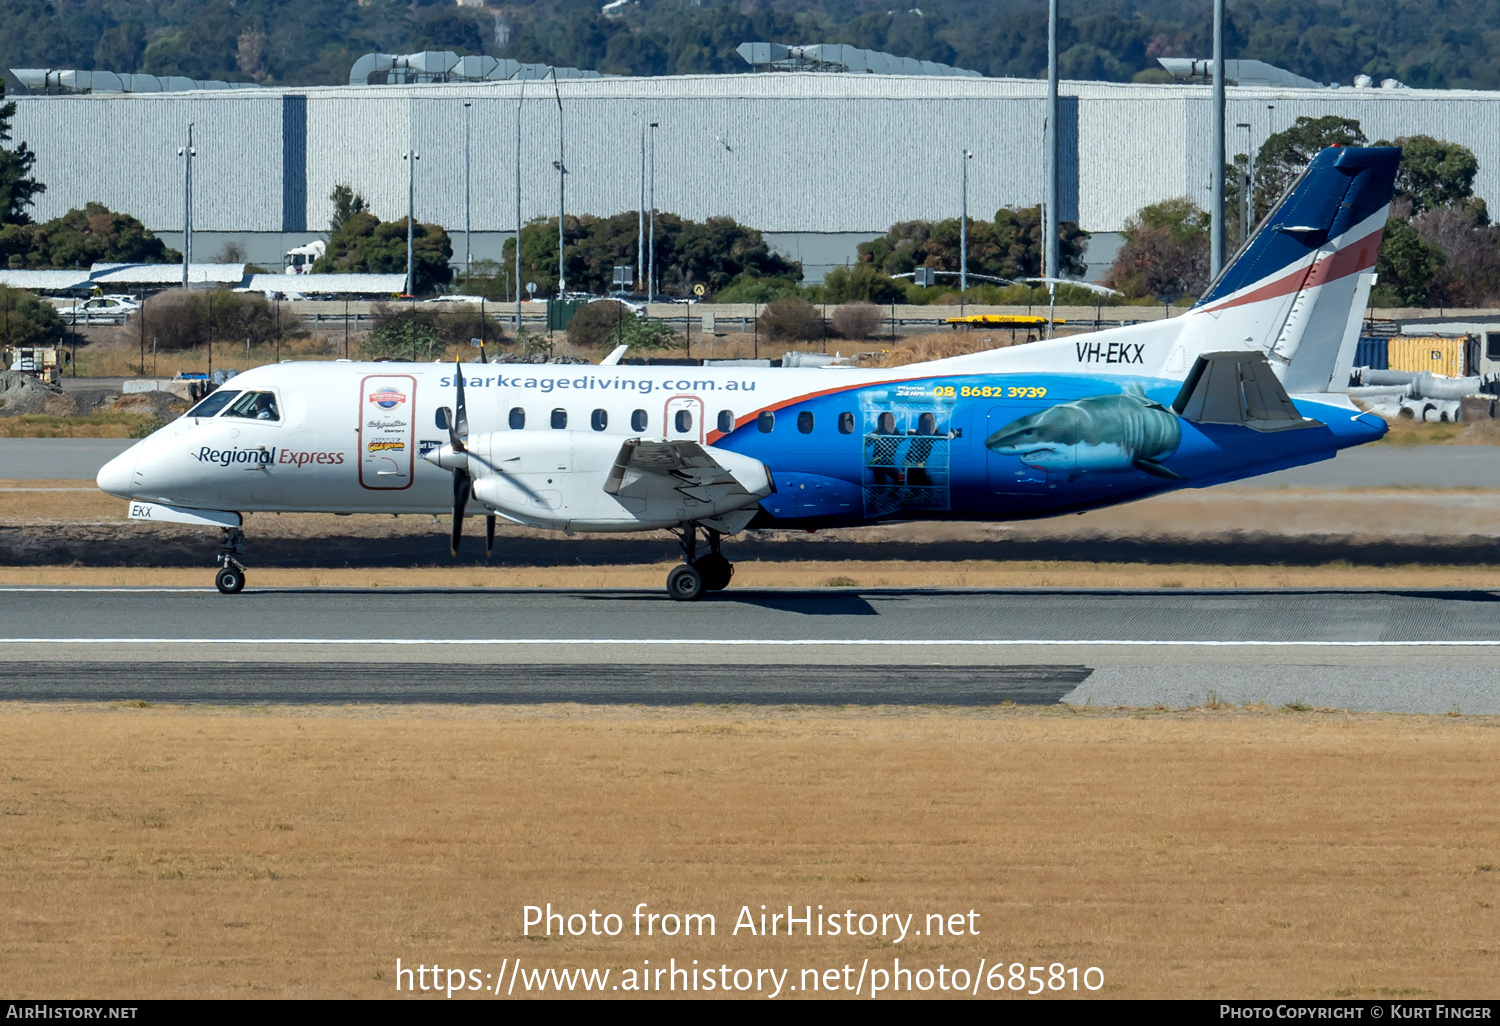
906 443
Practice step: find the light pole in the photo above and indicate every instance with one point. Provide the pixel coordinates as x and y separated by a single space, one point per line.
468 230
963 232
411 157
640 229
651 205
562 187
519 104
1216 150
187 153
1049 210
1247 183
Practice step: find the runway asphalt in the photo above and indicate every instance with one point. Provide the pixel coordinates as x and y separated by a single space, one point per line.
1395 650
1433 466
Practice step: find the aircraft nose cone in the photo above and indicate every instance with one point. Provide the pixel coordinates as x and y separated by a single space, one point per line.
118 475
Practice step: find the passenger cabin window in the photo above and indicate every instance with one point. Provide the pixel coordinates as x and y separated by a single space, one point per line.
638 420
805 422
254 406
684 421
214 403
559 418
599 420
885 424
765 422
517 418
846 423
926 424
726 422
441 418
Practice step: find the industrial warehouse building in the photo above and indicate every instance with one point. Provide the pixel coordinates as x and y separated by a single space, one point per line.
818 162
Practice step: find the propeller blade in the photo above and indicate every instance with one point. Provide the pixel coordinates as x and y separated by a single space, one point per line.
461 483
489 535
458 429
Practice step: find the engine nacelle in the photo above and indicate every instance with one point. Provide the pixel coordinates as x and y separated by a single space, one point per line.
556 480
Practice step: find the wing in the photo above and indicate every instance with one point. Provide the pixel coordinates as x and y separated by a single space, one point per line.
691 470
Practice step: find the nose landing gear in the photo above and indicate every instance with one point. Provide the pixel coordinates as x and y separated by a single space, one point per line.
699 574
230 580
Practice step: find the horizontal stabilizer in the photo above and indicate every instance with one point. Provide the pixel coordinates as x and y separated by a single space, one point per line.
1237 388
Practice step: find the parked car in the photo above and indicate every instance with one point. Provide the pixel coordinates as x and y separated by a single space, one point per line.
111 309
457 300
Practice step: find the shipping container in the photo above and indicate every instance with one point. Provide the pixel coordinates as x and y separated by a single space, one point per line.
1433 353
1372 352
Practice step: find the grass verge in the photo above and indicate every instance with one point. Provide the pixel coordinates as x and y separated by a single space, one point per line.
159 851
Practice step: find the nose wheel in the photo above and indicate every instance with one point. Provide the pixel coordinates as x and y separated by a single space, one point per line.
699 574
230 580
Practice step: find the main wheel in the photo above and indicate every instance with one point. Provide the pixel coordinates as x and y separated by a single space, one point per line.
230 580
716 571
685 583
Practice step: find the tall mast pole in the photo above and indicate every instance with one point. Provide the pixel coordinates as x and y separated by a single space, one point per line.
1216 149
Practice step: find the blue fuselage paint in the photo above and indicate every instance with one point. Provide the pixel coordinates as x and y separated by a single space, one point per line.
917 449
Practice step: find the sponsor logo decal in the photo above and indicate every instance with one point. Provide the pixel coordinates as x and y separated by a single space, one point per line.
388 398
385 425
1114 352
388 446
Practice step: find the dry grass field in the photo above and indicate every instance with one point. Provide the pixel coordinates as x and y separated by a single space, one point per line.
894 573
154 852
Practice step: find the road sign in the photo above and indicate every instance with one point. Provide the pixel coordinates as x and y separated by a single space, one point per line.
698 290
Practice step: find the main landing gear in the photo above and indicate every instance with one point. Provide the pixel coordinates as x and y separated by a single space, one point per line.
698 574
230 579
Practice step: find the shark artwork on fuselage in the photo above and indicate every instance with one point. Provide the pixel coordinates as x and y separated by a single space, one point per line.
1252 379
1103 434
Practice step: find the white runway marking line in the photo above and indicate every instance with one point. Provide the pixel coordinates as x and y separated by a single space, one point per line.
779 642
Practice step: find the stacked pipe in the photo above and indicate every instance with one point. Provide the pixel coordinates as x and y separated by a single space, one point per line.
1423 396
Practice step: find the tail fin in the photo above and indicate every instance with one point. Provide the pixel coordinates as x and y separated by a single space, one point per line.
1296 288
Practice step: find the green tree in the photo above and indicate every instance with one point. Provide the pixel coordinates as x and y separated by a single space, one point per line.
346 203
1284 155
367 245
713 253
1406 266
1008 247
92 235
1165 254
862 282
1434 173
17 186
27 320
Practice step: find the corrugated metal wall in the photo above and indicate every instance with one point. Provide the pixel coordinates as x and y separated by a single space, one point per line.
783 153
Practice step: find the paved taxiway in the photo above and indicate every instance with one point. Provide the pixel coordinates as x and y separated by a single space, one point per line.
1391 650
1432 466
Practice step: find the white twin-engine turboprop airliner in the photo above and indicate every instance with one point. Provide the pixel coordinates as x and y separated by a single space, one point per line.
1251 380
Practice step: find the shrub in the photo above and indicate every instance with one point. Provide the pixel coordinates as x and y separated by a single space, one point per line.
27 320
608 324
401 338
857 320
789 319
179 319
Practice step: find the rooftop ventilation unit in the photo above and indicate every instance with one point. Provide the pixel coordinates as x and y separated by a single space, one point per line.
840 58
1244 73
54 81
446 66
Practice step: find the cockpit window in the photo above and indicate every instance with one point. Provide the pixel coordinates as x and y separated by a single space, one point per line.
255 406
215 402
